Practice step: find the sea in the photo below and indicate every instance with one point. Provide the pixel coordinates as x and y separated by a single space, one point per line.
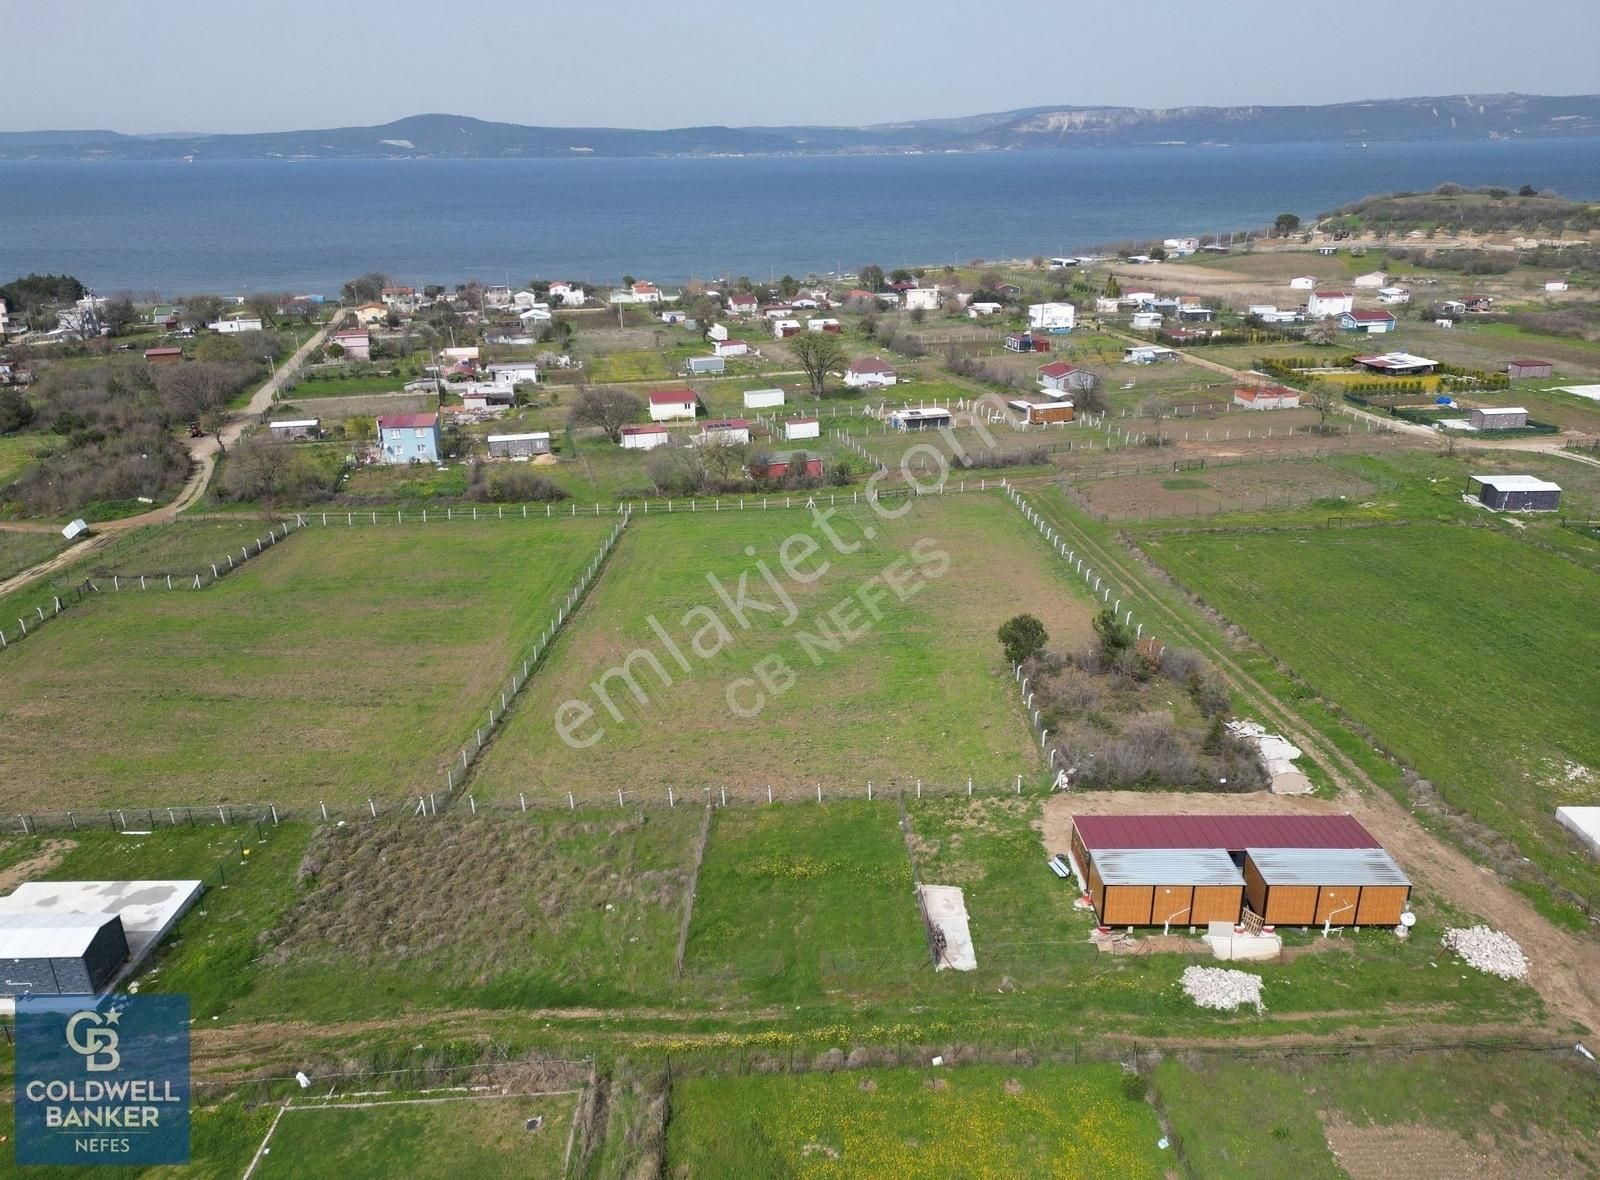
232 227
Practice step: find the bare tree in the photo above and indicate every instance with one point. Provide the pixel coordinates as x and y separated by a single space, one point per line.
818 353
1325 400
1156 409
1324 331
609 409
188 391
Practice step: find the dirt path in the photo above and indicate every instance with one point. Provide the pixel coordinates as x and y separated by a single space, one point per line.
1565 967
203 458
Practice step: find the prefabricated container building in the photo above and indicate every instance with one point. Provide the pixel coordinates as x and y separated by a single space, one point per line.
1313 886
1157 886
59 954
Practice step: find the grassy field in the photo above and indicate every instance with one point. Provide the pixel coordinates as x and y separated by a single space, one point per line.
1468 652
923 692
517 912
316 387
223 1137
19 550
797 901
17 453
183 547
342 665
1434 1114
974 1122
483 1137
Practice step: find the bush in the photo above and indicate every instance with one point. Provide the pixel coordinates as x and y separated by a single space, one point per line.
1021 636
510 485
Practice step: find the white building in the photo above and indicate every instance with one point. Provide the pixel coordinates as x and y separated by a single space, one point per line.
783 328
717 332
870 372
922 298
1320 305
229 327
981 308
730 348
762 399
1051 317
568 294
669 404
514 373
1372 279
1180 247
1145 321
1302 283
1556 285
801 428
730 432
1394 295
644 438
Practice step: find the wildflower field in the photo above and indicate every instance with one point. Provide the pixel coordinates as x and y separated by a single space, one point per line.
975 1122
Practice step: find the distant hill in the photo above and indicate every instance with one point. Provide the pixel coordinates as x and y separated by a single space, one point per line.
1505 116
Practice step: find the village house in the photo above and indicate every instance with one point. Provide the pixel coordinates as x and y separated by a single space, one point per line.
519 446
399 298
1147 354
743 304
1321 305
922 299
1373 323
1049 413
1527 367
870 372
816 324
356 344
526 298
1060 377
1393 295
1008 290
762 399
371 315
920 418
669 404
568 294
731 347
1302 283
233 327
717 332
638 293
163 356
979 308
778 311
511 337
532 317
799 428
5 320
1516 493
296 429
644 438
1265 397
778 465
782 329
408 438
514 372
1372 279
1051 317
1144 321
1397 364
1025 342
1498 417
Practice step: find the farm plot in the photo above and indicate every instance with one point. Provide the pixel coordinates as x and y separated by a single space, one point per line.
797 901
22 550
426 1138
911 685
1376 1117
183 547
341 666
511 911
1210 490
222 1139
1468 652
976 1121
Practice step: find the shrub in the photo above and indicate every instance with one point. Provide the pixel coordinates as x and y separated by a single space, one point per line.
1022 636
513 485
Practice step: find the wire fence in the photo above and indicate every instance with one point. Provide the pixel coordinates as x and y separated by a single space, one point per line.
116 583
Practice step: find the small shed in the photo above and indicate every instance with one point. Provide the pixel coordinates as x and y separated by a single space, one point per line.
798 428
645 438
44 953
761 399
1517 493
1337 886
913 418
778 465
706 364
1529 367
1042 413
296 428
163 356
1498 417
519 446
76 529
1157 886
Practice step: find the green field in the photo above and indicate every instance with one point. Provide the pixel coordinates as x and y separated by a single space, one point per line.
343 664
438 1138
797 901
922 693
1449 1113
1470 653
17 453
20 550
974 1122
223 1137
513 912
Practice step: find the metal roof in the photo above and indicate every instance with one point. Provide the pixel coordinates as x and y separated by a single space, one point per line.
293 422
49 936
1326 866
1232 833
531 436
1516 483
1166 866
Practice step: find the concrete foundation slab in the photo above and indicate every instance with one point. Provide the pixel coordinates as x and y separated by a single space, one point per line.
946 909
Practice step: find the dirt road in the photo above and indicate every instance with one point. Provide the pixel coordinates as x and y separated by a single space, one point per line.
203 457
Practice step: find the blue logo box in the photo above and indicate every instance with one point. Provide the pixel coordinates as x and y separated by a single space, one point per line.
102 1080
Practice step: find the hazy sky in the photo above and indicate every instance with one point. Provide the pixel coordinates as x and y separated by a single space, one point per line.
245 65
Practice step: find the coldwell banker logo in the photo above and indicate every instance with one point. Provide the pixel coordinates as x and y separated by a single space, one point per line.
102 1079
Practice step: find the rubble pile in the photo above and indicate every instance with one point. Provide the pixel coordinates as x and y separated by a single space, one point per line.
1221 988
1488 950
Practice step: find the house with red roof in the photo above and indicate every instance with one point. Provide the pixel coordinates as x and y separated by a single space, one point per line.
743 304
1373 323
669 404
408 438
1266 396
645 438
870 372
725 433
1060 377
730 347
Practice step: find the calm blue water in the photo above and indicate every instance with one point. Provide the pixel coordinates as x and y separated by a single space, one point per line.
308 226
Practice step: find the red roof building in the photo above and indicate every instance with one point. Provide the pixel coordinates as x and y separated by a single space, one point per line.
673 397
408 421
1231 833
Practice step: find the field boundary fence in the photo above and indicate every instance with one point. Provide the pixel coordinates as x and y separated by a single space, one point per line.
117 583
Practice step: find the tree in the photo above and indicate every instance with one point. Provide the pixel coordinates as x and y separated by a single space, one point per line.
212 422
1527 190
1285 224
1324 331
1113 288
35 291
265 307
118 315
818 353
16 411
1155 408
1022 636
1115 636
872 277
188 391
609 409
1159 253
900 275
368 288
1324 399
200 310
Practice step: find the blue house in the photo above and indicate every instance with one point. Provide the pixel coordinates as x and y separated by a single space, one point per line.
409 438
